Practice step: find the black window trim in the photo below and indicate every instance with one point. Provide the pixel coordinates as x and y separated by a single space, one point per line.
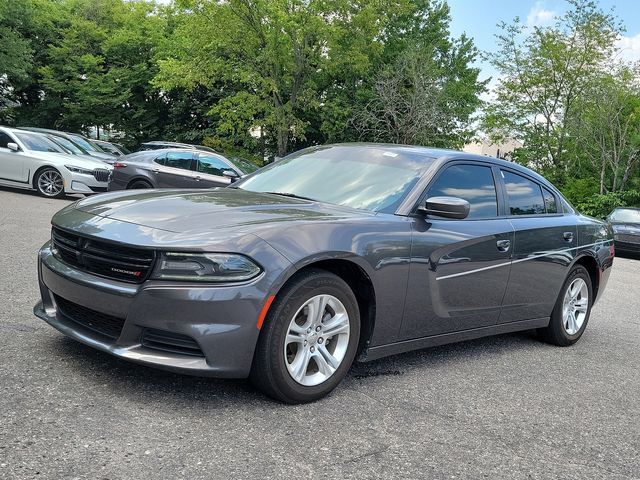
500 199
513 171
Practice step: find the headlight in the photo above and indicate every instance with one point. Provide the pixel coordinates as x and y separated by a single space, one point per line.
205 267
73 169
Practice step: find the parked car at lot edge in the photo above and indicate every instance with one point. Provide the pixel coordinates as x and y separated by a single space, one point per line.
173 168
30 160
625 222
159 144
86 145
112 148
332 253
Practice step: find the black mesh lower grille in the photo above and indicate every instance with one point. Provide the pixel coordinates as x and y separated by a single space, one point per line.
102 323
170 342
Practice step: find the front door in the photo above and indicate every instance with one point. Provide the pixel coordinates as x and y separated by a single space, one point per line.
11 163
209 171
459 268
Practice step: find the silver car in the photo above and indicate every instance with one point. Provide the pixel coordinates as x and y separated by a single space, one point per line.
32 161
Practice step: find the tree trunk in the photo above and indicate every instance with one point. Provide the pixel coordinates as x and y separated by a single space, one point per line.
602 172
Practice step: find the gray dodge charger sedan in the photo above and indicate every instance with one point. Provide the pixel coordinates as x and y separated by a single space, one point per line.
330 254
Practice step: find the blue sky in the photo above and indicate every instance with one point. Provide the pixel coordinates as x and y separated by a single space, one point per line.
478 19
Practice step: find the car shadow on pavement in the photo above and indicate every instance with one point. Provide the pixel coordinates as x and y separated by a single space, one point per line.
145 384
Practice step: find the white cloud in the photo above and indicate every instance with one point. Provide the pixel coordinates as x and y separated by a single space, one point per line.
539 16
629 48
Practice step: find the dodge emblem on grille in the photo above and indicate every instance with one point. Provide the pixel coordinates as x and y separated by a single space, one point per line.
127 272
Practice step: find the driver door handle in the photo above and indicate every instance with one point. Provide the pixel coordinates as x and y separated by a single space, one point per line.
503 245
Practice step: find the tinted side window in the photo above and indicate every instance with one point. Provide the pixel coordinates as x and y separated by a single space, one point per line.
473 183
549 201
4 140
180 160
160 159
524 196
211 165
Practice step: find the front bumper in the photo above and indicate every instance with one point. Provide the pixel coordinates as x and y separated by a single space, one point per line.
220 319
627 243
80 183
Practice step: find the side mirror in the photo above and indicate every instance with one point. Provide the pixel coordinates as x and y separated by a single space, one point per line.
230 174
446 207
13 147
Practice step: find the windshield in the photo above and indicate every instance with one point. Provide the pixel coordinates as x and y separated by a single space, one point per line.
375 178
68 144
245 166
84 143
39 143
626 215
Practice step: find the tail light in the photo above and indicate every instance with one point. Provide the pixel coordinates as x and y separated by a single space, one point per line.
117 165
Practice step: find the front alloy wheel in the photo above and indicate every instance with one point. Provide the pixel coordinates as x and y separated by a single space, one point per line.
317 340
308 339
50 183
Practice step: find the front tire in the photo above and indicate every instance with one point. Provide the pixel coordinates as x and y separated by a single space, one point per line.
572 310
308 340
49 183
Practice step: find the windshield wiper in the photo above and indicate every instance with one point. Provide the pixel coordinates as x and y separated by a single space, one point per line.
291 195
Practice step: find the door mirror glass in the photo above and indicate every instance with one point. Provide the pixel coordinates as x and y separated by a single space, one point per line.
13 146
446 207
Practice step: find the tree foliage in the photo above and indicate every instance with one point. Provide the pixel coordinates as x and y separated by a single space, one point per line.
562 92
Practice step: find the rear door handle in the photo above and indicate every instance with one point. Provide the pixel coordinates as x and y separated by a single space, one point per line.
568 236
197 178
503 245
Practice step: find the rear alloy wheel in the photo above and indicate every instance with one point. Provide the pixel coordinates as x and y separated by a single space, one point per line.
49 183
573 307
308 340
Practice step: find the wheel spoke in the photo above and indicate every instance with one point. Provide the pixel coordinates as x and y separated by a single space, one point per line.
336 325
300 364
332 361
324 364
294 338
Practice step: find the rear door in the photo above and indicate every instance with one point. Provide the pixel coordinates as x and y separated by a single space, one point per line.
209 171
545 245
459 268
174 170
11 163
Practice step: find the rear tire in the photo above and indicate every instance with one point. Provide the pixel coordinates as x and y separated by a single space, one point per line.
572 310
139 184
308 340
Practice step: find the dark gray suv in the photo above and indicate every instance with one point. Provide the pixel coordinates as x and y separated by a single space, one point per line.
331 254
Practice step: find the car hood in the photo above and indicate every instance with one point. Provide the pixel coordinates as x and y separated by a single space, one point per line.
59 159
199 211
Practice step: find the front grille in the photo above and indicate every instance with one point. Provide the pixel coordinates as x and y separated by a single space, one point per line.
106 259
170 342
102 323
101 174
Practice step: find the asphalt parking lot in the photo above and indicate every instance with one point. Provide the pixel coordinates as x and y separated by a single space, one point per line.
501 407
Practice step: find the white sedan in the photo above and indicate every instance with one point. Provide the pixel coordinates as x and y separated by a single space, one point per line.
32 161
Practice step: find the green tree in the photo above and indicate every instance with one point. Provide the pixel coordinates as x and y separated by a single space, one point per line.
16 54
544 71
